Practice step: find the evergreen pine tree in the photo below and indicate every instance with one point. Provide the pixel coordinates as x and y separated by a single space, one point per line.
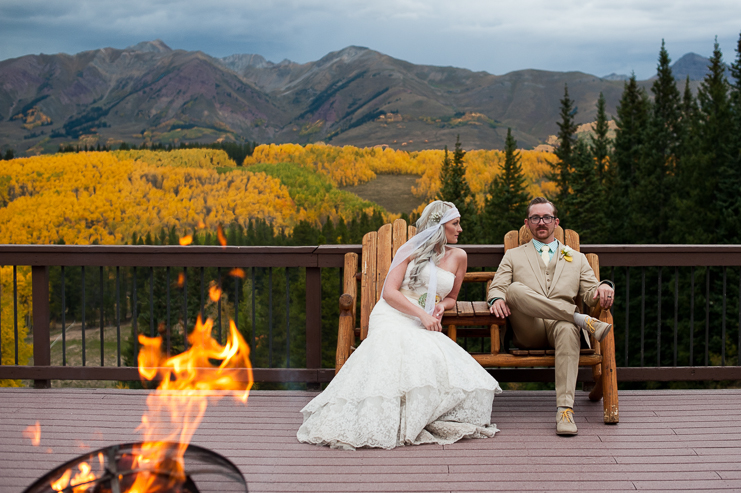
631 121
682 223
716 180
454 188
507 198
654 186
585 216
328 231
561 170
735 96
600 143
343 233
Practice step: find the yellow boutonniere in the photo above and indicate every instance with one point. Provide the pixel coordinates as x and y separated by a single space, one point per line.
566 254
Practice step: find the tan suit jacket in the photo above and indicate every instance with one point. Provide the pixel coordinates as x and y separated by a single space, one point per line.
571 280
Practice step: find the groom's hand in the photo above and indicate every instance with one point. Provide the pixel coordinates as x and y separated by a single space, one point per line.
605 294
500 309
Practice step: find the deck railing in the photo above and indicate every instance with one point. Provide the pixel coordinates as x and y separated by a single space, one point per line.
698 285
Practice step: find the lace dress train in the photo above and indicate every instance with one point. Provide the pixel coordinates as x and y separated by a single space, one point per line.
403 385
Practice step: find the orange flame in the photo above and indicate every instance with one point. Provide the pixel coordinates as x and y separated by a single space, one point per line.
84 475
180 397
181 280
186 240
33 433
183 378
214 292
237 273
61 483
221 235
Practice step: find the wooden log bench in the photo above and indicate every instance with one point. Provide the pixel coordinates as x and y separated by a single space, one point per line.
468 318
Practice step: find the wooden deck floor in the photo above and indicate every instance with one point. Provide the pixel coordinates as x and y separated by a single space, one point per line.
666 440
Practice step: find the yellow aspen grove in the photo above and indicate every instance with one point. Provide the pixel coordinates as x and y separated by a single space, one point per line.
349 165
95 197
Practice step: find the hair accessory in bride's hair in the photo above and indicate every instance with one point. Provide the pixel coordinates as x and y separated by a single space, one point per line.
435 217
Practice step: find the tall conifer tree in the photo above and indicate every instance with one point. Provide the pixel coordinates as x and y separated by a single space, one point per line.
735 95
631 121
600 143
715 179
682 224
561 169
507 198
650 211
586 215
454 188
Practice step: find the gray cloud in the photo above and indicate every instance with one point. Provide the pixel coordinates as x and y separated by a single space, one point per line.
590 36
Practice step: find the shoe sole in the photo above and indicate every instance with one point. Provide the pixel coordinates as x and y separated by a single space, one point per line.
607 331
566 433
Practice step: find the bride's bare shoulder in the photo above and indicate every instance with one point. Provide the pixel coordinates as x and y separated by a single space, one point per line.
456 253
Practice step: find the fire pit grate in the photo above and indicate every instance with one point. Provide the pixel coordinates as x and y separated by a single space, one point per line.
205 472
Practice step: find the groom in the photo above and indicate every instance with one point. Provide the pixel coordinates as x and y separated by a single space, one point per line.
535 286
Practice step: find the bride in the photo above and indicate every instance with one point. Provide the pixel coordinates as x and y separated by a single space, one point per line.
408 383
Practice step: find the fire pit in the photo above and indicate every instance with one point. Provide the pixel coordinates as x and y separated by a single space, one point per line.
164 461
115 469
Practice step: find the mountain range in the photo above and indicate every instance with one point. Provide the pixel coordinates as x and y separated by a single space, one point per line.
151 93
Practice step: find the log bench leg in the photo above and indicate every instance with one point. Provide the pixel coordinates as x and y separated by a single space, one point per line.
609 377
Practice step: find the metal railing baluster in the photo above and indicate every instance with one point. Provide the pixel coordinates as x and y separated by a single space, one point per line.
134 315
723 323
692 316
288 316
218 303
627 312
185 308
270 317
118 318
151 302
64 322
82 276
15 311
252 332
236 301
203 293
168 326
658 321
643 309
102 320
676 312
707 315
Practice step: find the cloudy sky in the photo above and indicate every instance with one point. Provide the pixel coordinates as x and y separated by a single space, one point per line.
597 37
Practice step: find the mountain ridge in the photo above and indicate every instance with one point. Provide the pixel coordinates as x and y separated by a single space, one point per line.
149 92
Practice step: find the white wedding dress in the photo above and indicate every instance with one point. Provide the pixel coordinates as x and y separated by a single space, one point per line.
404 385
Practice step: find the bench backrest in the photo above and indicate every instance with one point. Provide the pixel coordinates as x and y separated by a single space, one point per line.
379 248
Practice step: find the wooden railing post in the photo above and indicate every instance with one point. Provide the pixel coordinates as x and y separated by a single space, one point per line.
313 321
41 339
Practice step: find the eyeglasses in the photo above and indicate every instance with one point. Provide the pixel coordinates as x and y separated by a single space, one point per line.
537 219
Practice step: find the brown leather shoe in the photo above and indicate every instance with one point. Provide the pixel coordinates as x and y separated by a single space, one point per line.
565 424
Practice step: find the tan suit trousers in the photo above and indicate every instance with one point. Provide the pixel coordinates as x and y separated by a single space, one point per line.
539 322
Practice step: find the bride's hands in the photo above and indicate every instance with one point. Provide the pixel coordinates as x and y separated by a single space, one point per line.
432 322
437 312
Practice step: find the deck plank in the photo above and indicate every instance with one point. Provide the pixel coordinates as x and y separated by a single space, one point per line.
666 440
